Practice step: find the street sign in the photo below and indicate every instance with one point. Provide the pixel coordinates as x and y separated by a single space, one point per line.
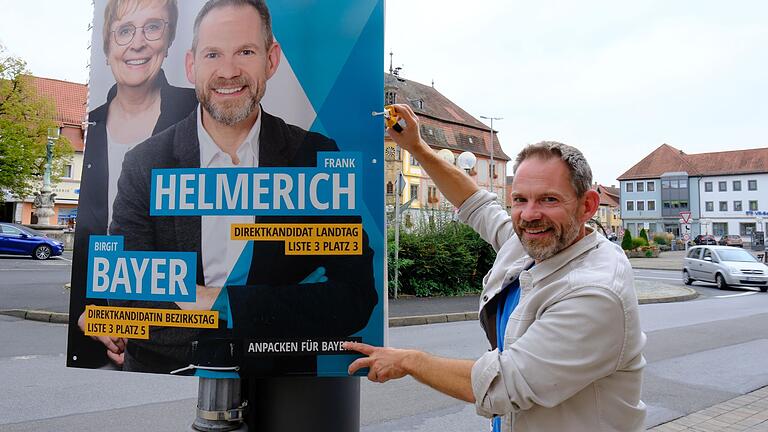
686 237
685 216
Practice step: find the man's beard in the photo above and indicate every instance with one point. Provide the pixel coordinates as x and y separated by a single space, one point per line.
545 248
232 112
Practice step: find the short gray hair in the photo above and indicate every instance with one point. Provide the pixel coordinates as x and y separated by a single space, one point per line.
259 5
581 173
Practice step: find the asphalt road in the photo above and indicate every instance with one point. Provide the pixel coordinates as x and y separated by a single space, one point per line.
699 353
26 283
29 284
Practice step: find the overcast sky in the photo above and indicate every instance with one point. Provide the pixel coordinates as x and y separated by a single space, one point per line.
615 79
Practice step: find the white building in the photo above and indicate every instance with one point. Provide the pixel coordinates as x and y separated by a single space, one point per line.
721 192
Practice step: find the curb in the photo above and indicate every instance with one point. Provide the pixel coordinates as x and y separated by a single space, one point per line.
432 319
63 318
37 315
692 294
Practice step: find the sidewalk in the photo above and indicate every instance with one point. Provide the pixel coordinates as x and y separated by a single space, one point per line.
748 413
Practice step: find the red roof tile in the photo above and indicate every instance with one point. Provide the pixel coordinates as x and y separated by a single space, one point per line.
608 195
662 160
71 103
70 98
451 127
669 159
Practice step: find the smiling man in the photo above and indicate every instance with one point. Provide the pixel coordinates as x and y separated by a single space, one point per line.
273 296
558 306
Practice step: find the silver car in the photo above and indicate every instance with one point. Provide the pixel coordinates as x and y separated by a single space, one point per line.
725 266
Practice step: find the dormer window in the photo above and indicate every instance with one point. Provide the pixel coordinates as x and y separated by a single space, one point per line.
389 97
417 103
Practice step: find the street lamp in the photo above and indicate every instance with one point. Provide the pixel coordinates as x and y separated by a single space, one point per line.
493 167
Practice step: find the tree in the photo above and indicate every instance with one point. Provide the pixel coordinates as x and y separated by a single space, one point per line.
25 117
626 242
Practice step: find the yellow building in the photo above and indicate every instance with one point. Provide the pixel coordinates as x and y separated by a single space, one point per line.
444 125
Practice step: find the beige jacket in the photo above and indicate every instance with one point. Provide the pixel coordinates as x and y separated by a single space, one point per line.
573 346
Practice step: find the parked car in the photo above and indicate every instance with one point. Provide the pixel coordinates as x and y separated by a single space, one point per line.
704 239
731 240
725 266
17 239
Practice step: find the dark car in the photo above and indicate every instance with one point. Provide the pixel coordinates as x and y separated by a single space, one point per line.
19 240
704 239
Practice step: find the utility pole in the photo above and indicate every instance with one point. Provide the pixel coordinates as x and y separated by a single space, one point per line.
493 167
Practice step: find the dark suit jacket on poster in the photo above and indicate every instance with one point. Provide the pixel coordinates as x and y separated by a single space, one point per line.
273 304
175 104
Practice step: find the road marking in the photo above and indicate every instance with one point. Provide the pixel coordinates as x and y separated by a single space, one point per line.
62 258
26 357
736 295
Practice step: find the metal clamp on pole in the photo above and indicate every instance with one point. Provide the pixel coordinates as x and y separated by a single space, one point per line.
219 406
232 415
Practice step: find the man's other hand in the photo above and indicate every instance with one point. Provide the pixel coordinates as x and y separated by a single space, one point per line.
383 364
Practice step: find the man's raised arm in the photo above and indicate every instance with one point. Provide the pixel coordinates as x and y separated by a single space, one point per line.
452 182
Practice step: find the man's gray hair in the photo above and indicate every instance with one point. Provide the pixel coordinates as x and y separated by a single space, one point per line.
259 5
581 174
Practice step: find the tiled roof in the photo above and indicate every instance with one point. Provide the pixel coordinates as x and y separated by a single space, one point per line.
71 102
731 162
662 160
669 159
608 195
70 98
443 123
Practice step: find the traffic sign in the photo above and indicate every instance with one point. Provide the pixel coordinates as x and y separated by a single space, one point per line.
686 237
685 216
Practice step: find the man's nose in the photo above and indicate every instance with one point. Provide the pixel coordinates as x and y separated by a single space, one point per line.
531 211
228 68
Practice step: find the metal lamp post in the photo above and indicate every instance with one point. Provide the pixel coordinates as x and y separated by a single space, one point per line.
493 167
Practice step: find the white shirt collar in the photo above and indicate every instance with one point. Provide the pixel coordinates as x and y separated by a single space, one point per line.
212 155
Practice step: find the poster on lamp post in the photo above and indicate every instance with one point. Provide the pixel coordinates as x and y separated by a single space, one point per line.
231 208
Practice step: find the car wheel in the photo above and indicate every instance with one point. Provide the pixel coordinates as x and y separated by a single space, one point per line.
42 252
720 281
687 278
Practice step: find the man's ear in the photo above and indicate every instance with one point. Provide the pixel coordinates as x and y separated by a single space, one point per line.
273 59
591 204
189 66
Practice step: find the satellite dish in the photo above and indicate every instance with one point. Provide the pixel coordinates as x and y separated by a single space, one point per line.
466 160
447 156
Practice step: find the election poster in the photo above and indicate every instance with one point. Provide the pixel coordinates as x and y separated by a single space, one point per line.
231 218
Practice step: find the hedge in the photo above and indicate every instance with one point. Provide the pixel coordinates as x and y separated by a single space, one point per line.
445 261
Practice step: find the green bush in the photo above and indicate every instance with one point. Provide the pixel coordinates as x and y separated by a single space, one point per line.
643 235
649 253
639 242
445 260
626 242
660 239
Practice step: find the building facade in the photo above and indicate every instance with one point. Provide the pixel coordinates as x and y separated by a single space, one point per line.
715 193
71 101
609 212
444 125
